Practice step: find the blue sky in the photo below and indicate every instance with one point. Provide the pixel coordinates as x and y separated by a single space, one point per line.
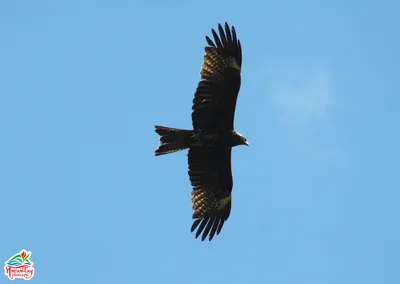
315 197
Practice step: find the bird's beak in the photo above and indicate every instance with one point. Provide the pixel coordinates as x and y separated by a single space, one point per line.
247 143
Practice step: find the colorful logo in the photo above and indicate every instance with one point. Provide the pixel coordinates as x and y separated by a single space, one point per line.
19 266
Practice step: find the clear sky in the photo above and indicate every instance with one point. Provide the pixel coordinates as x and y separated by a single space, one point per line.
315 197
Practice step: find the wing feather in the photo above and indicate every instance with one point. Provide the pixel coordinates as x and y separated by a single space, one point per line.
228 34
216 39
222 35
210 42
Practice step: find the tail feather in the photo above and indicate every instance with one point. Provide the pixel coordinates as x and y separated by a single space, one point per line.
172 140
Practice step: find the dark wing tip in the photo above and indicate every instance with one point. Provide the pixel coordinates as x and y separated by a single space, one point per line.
226 41
195 224
201 228
208 226
222 35
216 38
210 42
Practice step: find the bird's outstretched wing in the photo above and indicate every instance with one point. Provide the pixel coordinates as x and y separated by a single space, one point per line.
215 98
211 177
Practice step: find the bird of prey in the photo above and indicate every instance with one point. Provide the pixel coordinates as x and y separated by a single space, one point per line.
213 136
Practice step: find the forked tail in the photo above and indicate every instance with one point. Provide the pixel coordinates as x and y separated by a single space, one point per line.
172 140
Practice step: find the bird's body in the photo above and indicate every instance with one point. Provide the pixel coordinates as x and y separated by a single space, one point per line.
213 136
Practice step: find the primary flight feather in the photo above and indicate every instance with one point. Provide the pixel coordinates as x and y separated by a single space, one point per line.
213 136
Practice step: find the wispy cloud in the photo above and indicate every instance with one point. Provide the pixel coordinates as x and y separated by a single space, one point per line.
301 95
301 98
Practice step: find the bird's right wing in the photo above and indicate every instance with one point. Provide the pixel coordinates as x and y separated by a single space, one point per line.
215 98
211 177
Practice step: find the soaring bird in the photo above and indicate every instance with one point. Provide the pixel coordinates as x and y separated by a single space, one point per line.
213 136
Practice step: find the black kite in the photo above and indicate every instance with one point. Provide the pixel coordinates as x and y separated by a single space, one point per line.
213 135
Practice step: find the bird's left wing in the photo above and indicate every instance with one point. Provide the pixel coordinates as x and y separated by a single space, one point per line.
211 177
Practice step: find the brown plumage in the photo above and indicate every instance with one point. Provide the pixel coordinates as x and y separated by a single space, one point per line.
213 136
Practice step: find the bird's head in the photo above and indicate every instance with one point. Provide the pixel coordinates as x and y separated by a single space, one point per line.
239 139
